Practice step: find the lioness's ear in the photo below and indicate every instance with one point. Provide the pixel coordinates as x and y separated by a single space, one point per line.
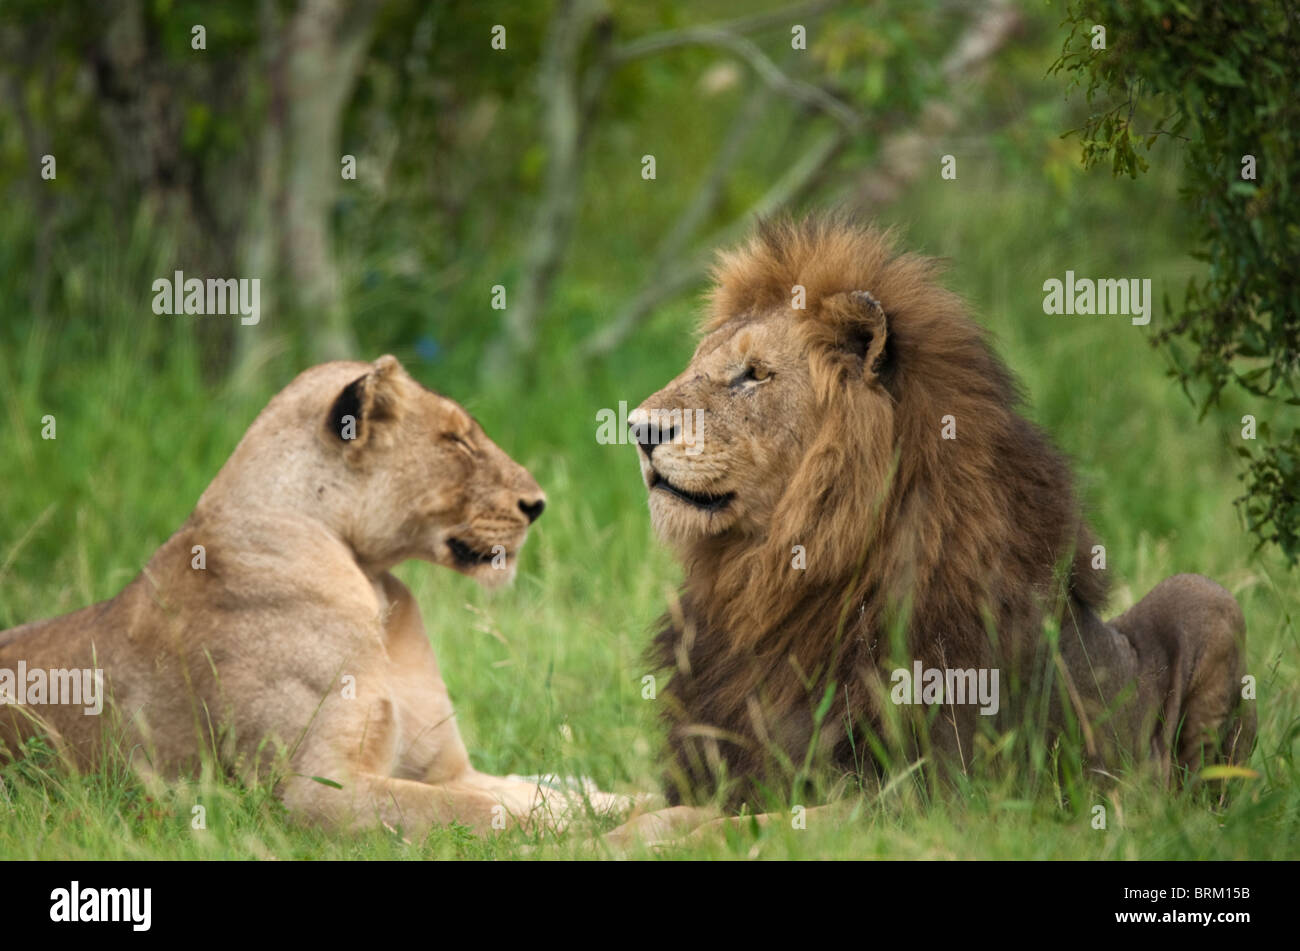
366 404
864 327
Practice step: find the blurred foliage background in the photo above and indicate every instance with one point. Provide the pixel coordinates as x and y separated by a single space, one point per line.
522 168
1220 79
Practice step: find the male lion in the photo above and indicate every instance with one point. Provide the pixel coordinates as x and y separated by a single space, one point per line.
850 487
271 614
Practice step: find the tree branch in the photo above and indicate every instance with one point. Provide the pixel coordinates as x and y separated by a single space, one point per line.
671 278
985 36
572 95
903 154
747 50
647 45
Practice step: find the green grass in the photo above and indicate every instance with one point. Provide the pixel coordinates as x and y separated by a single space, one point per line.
547 676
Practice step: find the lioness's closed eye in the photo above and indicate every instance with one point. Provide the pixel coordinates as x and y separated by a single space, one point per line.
270 620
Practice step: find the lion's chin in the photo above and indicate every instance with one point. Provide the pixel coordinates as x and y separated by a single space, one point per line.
679 523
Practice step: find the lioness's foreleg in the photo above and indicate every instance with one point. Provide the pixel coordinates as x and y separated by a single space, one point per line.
686 825
343 777
659 826
367 800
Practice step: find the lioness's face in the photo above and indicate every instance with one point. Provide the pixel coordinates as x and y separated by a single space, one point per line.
719 443
430 484
482 501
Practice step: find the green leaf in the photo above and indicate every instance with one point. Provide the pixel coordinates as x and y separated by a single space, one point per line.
1225 771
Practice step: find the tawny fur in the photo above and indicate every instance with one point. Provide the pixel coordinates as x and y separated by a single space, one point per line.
291 646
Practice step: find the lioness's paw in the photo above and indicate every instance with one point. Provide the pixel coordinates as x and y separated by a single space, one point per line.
655 828
573 795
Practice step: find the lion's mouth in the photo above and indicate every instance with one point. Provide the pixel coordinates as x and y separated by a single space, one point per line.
701 500
466 555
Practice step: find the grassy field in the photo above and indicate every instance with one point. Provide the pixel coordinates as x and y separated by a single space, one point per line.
546 676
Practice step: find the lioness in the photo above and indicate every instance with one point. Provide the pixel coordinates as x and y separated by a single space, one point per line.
271 614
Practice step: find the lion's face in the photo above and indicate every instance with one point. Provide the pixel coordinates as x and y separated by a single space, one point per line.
719 444
427 481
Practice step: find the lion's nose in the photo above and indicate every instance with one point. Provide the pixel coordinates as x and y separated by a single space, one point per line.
532 508
648 434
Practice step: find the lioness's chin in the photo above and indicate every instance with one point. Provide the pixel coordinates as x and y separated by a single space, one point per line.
492 566
493 578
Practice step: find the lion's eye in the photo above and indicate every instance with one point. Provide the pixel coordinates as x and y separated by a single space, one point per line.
753 373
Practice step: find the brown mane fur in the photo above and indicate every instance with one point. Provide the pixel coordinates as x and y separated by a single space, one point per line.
956 541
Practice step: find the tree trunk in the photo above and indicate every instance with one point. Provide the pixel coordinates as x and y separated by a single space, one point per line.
325 48
569 97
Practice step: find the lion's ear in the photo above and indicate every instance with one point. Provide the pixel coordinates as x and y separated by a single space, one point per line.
365 404
864 327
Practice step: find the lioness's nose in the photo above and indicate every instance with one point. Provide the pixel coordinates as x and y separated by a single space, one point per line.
532 507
